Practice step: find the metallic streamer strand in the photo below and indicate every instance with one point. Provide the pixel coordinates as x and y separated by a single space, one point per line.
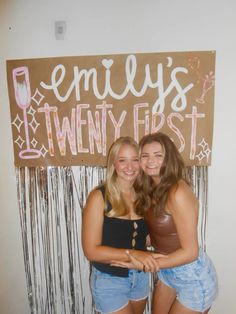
50 204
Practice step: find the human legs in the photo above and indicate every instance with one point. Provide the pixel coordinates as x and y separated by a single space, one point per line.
163 298
119 295
178 308
165 302
195 284
138 306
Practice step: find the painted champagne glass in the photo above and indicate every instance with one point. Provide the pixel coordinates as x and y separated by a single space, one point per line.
208 83
23 99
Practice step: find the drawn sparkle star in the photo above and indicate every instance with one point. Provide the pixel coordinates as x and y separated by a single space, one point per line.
34 124
34 142
43 151
37 97
31 111
18 122
19 141
203 144
207 152
205 149
200 156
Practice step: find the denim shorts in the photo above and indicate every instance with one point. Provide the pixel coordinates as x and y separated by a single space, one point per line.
112 293
195 283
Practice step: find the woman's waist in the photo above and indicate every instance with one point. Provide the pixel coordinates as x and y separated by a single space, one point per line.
165 244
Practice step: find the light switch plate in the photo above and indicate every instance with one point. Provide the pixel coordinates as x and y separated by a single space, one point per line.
60 29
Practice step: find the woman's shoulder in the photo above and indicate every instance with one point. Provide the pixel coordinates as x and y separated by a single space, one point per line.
181 187
182 192
99 189
96 195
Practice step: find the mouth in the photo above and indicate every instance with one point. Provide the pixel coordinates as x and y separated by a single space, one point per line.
130 173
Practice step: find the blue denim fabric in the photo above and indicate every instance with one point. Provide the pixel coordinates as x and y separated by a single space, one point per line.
112 293
195 283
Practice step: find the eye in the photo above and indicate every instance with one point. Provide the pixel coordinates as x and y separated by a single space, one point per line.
121 160
159 155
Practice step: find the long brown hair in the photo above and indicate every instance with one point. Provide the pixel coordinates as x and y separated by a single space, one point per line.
150 194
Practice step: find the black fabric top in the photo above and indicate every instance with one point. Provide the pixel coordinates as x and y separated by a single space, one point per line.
121 233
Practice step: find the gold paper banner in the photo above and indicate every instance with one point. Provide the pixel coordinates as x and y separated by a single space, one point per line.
69 110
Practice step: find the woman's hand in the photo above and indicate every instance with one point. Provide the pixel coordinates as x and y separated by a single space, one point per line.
149 263
141 260
133 263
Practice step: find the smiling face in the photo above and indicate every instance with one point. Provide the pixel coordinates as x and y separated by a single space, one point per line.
151 159
126 164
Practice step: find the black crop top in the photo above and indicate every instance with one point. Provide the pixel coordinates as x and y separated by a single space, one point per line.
121 233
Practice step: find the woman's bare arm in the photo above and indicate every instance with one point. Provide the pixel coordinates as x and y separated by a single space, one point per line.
183 207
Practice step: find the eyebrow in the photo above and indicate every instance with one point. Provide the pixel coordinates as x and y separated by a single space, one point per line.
124 157
156 152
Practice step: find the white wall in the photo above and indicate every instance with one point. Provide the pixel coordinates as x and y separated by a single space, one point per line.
121 26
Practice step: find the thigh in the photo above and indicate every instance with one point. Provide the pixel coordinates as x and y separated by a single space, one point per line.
138 307
163 298
178 308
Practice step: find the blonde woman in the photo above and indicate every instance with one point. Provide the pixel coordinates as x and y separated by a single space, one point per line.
110 226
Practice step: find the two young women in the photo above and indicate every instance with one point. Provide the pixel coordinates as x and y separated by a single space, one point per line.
115 233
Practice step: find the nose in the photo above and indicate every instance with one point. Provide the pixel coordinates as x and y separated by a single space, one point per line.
151 159
129 165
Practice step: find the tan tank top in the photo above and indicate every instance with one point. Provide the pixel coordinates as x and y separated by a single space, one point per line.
162 232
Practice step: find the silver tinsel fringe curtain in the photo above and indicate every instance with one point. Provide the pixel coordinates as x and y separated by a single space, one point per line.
50 204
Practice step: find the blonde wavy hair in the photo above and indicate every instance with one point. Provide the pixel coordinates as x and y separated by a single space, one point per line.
113 193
